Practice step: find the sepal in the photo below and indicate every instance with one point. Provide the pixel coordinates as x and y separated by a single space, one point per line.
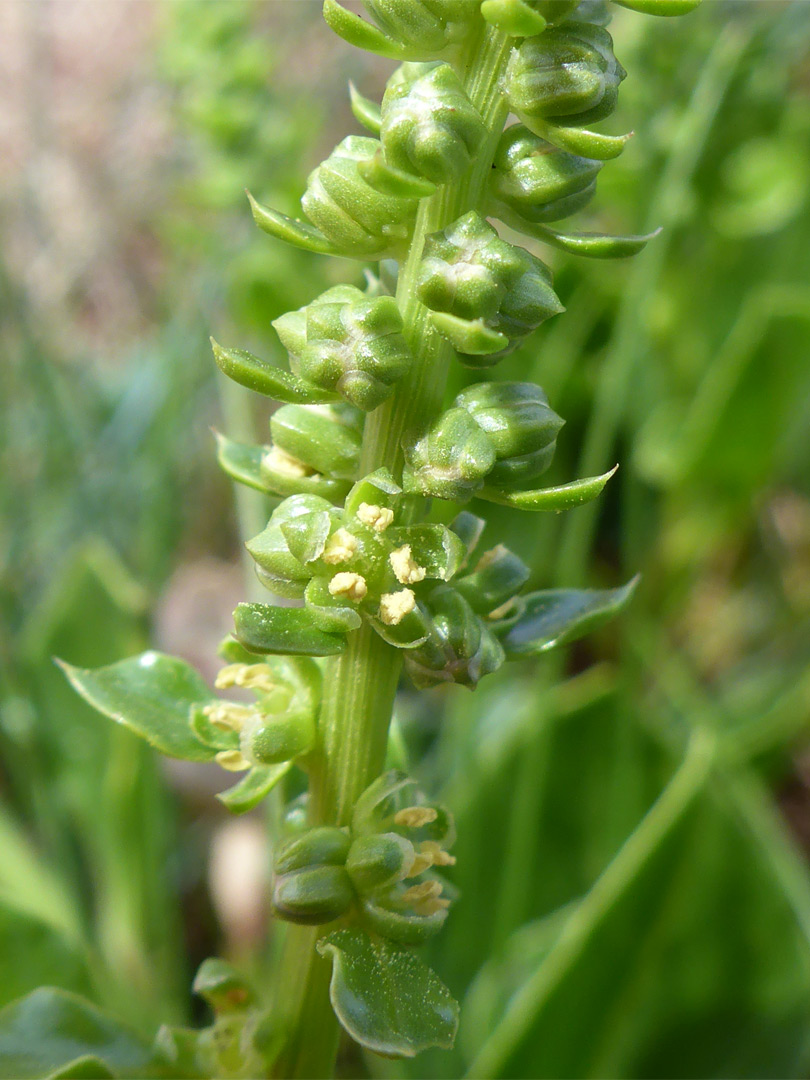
450 460
497 576
364 110
326 438
660 7
518 18
291 230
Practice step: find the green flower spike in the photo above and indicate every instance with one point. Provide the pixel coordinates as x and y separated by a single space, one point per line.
349 343
428 125
486 294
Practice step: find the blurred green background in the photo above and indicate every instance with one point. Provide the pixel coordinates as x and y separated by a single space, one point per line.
129 134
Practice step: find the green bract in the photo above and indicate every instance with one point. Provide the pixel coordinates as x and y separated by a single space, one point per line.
405 29
347 342
487 294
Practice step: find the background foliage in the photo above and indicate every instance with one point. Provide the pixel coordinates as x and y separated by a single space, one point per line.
684 951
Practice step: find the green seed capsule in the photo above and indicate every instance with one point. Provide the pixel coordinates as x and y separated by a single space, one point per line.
521 427
312 896
326 438
376 862
451 460
358 220
538 181
348 342
568 71
269 740
470 274
429 126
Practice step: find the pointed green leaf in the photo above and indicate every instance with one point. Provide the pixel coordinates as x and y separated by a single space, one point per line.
263 628
558 616
241 461
291 230
151 694
660 7
253 787
360 33
248 370
470 336
387 998
591 245
580 141
366 111
51 1032
564 497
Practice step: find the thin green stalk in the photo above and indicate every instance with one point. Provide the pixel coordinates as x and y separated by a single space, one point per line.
636 851
361 683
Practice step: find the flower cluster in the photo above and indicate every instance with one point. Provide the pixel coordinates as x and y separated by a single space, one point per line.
380 871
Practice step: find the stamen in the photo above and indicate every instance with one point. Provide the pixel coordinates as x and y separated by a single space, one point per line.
438 856
249 676
376 517
405 569
349 586
414 817
339 548
229 716
279 461
232 760
394 606
423 891
504 609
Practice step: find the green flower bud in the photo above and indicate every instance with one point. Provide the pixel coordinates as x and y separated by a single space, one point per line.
312 896
474 279
377 862
429 125
323 846
408 29
222 986
269 740
538 181
521 428
568 71
461 647
323 438
497 576
358 220
451 460
348 342
279 569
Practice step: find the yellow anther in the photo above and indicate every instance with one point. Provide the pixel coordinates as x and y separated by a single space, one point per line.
232 760
489 557
394 606
339 547
279 461
422 891
504 609
405 569
376 517
349 586
431 905
249 676
230 717
420 863
414 817
438 856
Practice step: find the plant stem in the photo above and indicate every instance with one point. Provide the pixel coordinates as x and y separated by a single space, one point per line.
361 683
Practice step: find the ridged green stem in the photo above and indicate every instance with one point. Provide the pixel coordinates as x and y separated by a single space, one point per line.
361 683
